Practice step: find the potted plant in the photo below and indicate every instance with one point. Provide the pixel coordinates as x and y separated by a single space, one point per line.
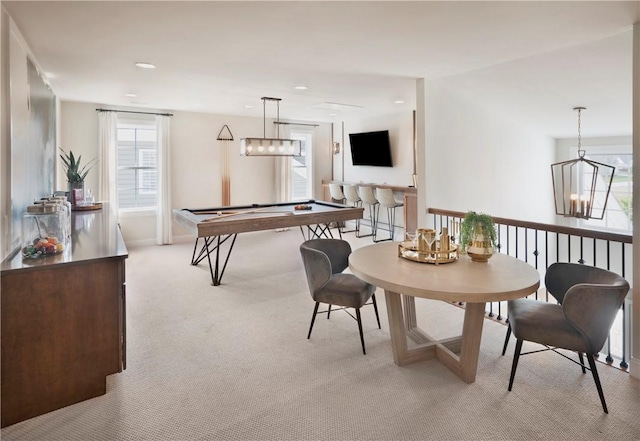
478 236
76 174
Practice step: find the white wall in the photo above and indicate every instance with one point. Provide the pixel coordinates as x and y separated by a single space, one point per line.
400 126
5 202
195 162
79 134
478 160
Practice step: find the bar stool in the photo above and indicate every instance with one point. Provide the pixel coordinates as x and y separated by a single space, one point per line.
338 196
336 193
351 194
387 200
369 199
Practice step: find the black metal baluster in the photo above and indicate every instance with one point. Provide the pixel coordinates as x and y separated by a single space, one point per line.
623 362
546 259
581 259
609 357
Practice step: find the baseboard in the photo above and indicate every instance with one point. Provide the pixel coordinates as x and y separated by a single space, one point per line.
634 368
139 243
149 242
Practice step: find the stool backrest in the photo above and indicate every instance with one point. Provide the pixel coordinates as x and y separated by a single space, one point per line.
385 197
336 192
367 195
351 193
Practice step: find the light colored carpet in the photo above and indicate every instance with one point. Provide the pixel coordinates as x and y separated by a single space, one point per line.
233 363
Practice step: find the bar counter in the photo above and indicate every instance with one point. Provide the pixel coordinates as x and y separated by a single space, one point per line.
409 196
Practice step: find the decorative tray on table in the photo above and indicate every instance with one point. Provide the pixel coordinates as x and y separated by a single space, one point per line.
410 251
96 206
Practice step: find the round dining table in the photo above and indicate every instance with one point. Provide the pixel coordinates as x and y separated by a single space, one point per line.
500 278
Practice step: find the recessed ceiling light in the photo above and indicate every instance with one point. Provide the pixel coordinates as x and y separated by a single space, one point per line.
398 102
130 95
332 114
301 87
248 106
146 65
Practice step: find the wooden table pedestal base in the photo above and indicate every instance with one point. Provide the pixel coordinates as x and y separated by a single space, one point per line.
459 354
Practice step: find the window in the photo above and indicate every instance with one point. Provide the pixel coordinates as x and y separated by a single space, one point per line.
137 165
618 216
300 175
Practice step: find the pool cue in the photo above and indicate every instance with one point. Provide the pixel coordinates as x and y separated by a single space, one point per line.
224 213
219 212
258 210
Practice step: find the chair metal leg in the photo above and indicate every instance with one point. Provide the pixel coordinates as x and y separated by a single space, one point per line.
506 339
360 329
372 210
313 319
374 222
375 308
328 312
357 228
596 378
514 366
340 224
391 219
584 371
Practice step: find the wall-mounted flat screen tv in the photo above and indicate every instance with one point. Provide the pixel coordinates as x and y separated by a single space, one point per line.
371 148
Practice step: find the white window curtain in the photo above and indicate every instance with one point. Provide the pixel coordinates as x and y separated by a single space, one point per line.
108 155
164 234
283 183
283 171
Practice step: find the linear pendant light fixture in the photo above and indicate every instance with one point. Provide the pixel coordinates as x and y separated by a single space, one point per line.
270 146
580 186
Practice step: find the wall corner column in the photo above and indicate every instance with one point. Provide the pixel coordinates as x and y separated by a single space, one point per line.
634 365
420 148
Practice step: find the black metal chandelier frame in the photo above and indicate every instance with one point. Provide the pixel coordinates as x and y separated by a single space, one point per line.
575 183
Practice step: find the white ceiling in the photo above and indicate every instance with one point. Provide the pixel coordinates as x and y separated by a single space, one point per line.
532 60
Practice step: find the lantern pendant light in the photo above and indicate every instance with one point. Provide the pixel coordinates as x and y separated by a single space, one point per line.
581 186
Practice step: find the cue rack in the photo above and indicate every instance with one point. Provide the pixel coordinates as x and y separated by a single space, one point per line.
225 136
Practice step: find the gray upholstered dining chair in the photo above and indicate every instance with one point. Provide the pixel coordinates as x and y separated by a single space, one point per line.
324 262
589 299
556 283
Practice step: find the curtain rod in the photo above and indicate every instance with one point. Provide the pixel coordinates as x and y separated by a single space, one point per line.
296 124
131 111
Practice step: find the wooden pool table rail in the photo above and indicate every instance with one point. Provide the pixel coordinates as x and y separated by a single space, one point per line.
216 233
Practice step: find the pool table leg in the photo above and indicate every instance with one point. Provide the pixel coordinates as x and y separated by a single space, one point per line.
318 231
214 269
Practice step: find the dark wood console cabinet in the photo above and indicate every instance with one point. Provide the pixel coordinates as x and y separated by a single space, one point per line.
63 321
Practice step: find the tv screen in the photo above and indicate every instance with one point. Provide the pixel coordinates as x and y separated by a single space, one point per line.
371 148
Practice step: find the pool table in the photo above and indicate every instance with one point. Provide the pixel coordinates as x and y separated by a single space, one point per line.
221 225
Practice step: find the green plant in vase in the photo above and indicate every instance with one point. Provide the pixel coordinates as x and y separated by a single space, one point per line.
478 236
76 174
